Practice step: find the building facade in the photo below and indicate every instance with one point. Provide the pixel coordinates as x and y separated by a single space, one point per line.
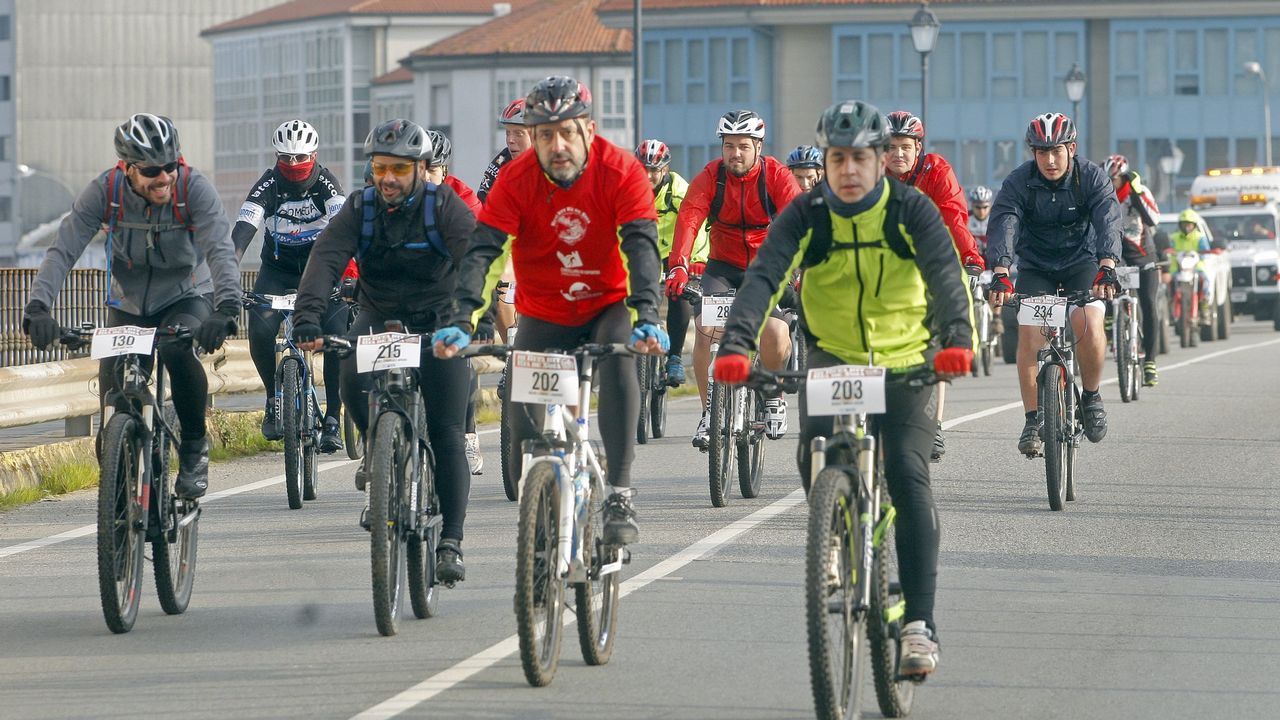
1155 81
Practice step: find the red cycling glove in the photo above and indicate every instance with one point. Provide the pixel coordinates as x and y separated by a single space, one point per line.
949 361
976 260
732 369
677 279
697 268
1000 283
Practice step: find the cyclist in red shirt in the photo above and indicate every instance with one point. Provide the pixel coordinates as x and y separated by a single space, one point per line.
737 196
932 175
577 218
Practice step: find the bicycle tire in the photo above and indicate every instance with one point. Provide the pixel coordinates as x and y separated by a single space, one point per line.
539 591
387 483
644 377
1122 328
894 694
720 444
751 450
510 485
1187 336
836 630
987 355
424 593
1052 406
1136 353
311 422
596 599
291 428
174 562
658 411
351 436
120 542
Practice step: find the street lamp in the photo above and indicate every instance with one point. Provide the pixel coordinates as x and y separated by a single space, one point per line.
924 33
637 76
1075 81
1254 68
1171 165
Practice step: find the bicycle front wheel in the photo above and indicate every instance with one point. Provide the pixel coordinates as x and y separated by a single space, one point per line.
291 423
424 595
835 623
389 468
1122 327
597 598
120 518
311 424
721 452
1056 433
506 443
658 401
893 692
539 590
644 376
751 447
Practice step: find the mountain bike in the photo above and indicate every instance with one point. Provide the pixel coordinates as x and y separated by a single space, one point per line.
399 471
1057 389
654 384
136 501
1126 333
852 591
298 417
988 338
561 528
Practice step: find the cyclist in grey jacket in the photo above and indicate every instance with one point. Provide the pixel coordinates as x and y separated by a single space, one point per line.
170 260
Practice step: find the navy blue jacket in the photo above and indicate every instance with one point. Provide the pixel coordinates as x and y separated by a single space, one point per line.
1053 226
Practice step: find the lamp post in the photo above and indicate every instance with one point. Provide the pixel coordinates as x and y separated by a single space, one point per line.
1075 82
1254 68
637 77
924 27
1171 165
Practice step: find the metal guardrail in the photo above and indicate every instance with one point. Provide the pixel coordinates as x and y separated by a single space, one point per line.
81 300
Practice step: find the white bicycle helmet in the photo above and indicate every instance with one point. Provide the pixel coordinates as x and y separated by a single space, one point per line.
741 122
295 137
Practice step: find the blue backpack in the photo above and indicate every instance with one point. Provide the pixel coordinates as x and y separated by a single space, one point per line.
430 203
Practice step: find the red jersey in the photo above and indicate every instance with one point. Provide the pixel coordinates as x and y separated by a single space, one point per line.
466 193
565 245
743 221
934 177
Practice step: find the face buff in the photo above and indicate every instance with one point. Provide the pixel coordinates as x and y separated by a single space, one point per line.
295 173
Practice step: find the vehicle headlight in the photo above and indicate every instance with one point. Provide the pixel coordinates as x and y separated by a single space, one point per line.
1265 273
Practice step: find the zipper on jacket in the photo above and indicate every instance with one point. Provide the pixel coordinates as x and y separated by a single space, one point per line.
880 276
857 270
742 215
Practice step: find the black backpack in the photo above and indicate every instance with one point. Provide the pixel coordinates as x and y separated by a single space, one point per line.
717 202
821 240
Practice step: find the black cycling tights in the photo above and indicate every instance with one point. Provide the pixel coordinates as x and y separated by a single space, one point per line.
679 313
619 390
445 387
188 385
265 324
906 433
1149 280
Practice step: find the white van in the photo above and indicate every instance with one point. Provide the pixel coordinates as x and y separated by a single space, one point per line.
1242 208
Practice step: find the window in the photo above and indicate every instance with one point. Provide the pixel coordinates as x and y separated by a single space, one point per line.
718 69
652 72
1156 47
973 162
6 209
1125 51
942 67
613 106
1035 64
5 88
1004 66
908 72
696 80
1007 157
740 71
674 78
1247 152
1216 62
1217 152
6 148
973 65
441 106
880 84
849 74
5 29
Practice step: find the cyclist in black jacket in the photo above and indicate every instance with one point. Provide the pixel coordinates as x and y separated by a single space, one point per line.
403 276
1059 214
293 202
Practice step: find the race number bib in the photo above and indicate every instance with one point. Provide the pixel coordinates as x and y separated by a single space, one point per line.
387 350
715 310
283 302
1043 311
544 378
122 340
509 295
1128 276
845 390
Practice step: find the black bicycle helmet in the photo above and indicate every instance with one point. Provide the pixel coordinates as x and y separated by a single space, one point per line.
557 98
147 138
399 138
441 148
852 123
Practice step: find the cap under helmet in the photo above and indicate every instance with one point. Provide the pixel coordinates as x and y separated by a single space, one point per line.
441 148
904 124
741 122
557 98
805 156
1117 165
513 113
147 138
981 195
399 138
653 154
852 123
1049 130
295 137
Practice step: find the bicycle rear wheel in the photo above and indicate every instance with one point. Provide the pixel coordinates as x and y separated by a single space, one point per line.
173 553
120 535
658 411
424 594
539 590
510 485
311 423
644 375
1123 326
1056 433
836 627
751 448
291 423
893 692
721 452
596 599
388 482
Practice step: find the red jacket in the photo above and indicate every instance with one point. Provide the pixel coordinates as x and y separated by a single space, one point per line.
934 177
743 221
467 194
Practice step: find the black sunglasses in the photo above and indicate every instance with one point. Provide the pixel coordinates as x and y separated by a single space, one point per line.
150 171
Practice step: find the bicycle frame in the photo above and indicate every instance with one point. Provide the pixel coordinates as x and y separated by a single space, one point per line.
392 390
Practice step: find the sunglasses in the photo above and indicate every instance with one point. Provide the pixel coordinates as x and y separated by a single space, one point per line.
295 159
150 171
404 169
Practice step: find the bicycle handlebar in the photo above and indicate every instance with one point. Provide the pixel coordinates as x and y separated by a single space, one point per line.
77 337
790 381
1079 298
